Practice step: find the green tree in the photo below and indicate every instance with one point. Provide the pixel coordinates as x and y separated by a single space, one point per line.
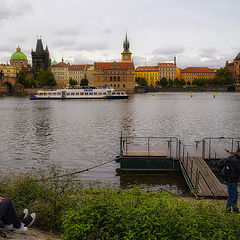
30 82
50 81
163 82
21 77
182 82
170 82
188 83
84 82
224 76
45 78
141 81
176 82
72 82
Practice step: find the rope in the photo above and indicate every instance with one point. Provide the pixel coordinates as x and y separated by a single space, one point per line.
73 173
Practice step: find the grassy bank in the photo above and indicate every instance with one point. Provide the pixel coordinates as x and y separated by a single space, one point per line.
104 213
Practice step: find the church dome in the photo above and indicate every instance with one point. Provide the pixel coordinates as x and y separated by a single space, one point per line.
54 62
18 55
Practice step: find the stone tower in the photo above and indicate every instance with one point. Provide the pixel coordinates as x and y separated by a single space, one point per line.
40 58
126 54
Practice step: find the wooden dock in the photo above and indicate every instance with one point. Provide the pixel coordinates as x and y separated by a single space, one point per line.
203 179
169 153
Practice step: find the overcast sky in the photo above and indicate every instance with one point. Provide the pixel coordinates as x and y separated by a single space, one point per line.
197 32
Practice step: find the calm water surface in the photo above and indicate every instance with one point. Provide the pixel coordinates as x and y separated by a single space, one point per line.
79 134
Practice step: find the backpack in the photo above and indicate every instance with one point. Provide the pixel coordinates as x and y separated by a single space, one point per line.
224 168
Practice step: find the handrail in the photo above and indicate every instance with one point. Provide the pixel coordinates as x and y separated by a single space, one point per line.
124 142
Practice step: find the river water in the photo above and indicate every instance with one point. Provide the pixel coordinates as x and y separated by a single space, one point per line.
79 134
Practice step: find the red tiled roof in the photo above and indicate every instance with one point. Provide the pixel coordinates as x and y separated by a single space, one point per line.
61 64
197 70
146 68
107 65
164 64
78 67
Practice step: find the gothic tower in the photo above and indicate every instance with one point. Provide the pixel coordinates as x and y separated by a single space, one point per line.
126 54
40 58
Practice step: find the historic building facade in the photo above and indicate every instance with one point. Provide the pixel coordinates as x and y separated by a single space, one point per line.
119 75
150 73
190 73
168 70
78 72
234 68
40 58
19 59
61 74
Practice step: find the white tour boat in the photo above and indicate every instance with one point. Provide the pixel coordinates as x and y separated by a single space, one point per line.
89 93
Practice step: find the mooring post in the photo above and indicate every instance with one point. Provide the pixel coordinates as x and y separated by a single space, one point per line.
191 169
203 149
148 145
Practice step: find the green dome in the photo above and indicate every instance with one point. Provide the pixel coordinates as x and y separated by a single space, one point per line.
54 62
18 55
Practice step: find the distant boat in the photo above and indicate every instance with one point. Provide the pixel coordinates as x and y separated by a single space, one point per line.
87 93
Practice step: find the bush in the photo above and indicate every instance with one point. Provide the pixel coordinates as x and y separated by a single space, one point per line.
114 214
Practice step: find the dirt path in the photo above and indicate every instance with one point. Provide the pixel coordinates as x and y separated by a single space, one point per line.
32 234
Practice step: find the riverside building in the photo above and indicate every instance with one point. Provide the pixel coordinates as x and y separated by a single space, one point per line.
234 68
190 73
167 70
119 75
150 73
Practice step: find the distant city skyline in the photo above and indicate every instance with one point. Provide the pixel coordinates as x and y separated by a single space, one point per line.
203 33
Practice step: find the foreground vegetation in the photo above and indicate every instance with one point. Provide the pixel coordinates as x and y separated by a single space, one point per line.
104 213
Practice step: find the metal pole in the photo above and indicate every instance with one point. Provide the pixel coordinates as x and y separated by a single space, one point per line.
148 145
170 145
191 169
203 149
232 145
121 144
126 147
209 151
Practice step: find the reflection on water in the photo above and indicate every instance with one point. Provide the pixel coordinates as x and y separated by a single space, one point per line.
79 134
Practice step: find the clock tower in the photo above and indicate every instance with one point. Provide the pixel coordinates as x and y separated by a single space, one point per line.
126 54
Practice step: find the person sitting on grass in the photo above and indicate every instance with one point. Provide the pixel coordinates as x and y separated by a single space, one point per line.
11 221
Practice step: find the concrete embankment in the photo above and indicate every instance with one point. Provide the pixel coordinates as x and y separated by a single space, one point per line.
32 234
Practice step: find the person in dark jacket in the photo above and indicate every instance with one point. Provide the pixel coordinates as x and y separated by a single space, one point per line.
232 182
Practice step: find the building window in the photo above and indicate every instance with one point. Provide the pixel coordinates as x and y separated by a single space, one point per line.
114 78
114 85
119 78
111 78
123 85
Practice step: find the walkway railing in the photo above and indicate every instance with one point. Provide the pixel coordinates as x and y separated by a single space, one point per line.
216 148
149 145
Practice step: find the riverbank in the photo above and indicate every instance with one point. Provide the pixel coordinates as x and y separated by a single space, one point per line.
64 206
32 234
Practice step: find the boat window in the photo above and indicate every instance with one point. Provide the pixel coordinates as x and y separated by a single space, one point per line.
58 93
104 93
90 93
122 93
95 93
54 93
40 94
45 93
118 93
68 93
99 93
86 93
113 93
77 93
81 93
50 93
72 93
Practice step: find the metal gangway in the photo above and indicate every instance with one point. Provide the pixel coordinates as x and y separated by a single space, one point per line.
192 158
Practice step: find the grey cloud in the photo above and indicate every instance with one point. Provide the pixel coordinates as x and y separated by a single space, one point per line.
106 31
169 50
14 8
89 46
208 52
63 42
67 31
